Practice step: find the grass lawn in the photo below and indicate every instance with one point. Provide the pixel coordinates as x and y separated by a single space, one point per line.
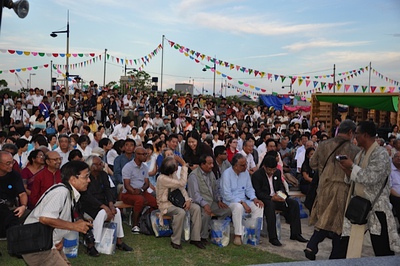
149 250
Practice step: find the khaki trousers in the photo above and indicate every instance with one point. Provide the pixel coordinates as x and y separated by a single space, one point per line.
50 257
178 216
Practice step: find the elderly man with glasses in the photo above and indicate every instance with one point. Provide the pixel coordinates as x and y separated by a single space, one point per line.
11 187
98 202
238 193
49 176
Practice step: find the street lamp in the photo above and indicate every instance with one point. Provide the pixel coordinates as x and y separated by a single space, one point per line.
21 7
30 79
289 86
54 34
215 71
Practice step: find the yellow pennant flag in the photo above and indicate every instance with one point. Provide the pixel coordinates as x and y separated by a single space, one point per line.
300 81
339 86
383 88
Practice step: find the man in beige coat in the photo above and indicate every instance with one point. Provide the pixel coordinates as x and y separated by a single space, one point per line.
169 180
329 206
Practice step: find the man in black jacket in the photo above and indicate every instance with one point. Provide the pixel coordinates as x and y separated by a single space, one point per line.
275 198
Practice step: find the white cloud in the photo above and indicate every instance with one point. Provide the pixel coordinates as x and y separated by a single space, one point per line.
257 25
296 47
258 56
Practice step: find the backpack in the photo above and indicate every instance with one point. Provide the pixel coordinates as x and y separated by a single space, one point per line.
145 222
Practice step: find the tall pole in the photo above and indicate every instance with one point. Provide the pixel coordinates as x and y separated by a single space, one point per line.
67 58
215 71
105 62
51 74
162 63
369 78
334 78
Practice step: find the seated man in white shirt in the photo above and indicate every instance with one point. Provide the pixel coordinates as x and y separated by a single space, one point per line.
248 146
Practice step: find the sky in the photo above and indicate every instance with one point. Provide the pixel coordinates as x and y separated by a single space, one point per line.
267 40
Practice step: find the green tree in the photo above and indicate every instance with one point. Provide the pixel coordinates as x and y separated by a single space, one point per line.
3 83
141 80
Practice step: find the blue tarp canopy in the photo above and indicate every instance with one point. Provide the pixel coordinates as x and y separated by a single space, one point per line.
276 101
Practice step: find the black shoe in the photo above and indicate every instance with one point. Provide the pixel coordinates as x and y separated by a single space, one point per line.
275 242
299 238
93 252
198 244
205 241
124 247
176 246
309 254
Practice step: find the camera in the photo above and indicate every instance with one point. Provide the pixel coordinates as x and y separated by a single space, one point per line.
341 157
17 121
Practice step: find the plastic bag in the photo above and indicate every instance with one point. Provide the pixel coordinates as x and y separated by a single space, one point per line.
251 230
71 244
160 229
220 232
186 227
108 239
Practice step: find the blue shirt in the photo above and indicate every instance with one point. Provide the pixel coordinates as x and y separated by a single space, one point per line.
236 188
160 159
119 163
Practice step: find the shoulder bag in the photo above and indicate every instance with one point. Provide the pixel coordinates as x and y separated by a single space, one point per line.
359 208
30 238
176 197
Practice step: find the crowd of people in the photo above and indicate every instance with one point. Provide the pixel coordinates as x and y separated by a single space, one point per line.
228 159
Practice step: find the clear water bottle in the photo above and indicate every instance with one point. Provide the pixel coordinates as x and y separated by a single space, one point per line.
71 244
278 226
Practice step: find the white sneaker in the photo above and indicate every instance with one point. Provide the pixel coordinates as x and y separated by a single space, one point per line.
135 230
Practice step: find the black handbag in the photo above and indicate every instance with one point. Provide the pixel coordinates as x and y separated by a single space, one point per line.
359 208
176 197
29 238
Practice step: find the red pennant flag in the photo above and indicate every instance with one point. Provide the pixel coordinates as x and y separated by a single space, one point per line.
269 75
373 88
307 82
330 85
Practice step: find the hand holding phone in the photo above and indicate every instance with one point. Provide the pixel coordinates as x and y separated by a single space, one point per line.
341 157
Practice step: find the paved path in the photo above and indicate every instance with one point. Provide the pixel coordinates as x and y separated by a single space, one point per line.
294 249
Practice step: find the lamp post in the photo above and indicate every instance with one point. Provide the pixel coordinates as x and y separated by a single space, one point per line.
289 86
215 71
21 7
54 34
30 79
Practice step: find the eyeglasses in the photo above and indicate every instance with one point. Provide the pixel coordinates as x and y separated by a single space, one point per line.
85 176
40 156
8 163
55 159
142 154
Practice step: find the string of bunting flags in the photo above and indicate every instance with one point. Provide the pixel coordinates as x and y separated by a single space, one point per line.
391 81
317 85
42 54
96 58
262 74
24 69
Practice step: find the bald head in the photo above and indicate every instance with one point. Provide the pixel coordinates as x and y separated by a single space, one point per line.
140 155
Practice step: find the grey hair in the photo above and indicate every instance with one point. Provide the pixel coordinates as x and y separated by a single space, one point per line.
346 126
89 160
236 158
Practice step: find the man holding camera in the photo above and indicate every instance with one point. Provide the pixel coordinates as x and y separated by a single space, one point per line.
56 209
19 117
